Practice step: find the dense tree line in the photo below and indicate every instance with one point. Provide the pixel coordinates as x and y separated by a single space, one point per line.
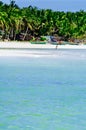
26 23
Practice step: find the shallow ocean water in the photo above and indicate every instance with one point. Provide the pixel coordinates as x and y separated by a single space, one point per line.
46 91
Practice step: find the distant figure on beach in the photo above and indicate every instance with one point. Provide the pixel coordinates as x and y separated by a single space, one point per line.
57 45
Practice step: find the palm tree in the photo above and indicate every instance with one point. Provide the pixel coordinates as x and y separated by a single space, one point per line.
34 22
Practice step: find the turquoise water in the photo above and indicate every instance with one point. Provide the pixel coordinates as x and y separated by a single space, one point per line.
47 92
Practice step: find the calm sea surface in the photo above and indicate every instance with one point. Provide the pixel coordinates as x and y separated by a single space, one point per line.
46 91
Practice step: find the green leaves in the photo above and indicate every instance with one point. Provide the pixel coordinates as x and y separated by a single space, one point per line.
34 22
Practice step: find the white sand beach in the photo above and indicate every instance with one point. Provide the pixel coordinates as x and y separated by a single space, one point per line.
18 48
22 45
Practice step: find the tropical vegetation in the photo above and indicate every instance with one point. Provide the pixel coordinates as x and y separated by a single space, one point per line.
29 23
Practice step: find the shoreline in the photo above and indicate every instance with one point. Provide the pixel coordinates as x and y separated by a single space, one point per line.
26 49
28 45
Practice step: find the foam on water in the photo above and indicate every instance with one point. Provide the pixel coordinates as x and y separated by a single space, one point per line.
55 53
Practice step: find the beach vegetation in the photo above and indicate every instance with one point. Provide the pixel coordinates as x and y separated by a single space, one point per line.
31 23
42 38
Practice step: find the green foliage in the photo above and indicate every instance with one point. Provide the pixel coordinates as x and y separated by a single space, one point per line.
42 38
35 23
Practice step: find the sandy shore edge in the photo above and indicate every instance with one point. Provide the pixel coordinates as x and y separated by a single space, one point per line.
21 49
23 45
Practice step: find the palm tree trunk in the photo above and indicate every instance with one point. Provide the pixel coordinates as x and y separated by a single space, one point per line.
25 34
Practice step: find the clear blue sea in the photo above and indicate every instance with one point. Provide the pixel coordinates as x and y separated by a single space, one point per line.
46 91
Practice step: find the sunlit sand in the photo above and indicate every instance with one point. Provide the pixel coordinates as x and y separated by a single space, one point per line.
18 48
